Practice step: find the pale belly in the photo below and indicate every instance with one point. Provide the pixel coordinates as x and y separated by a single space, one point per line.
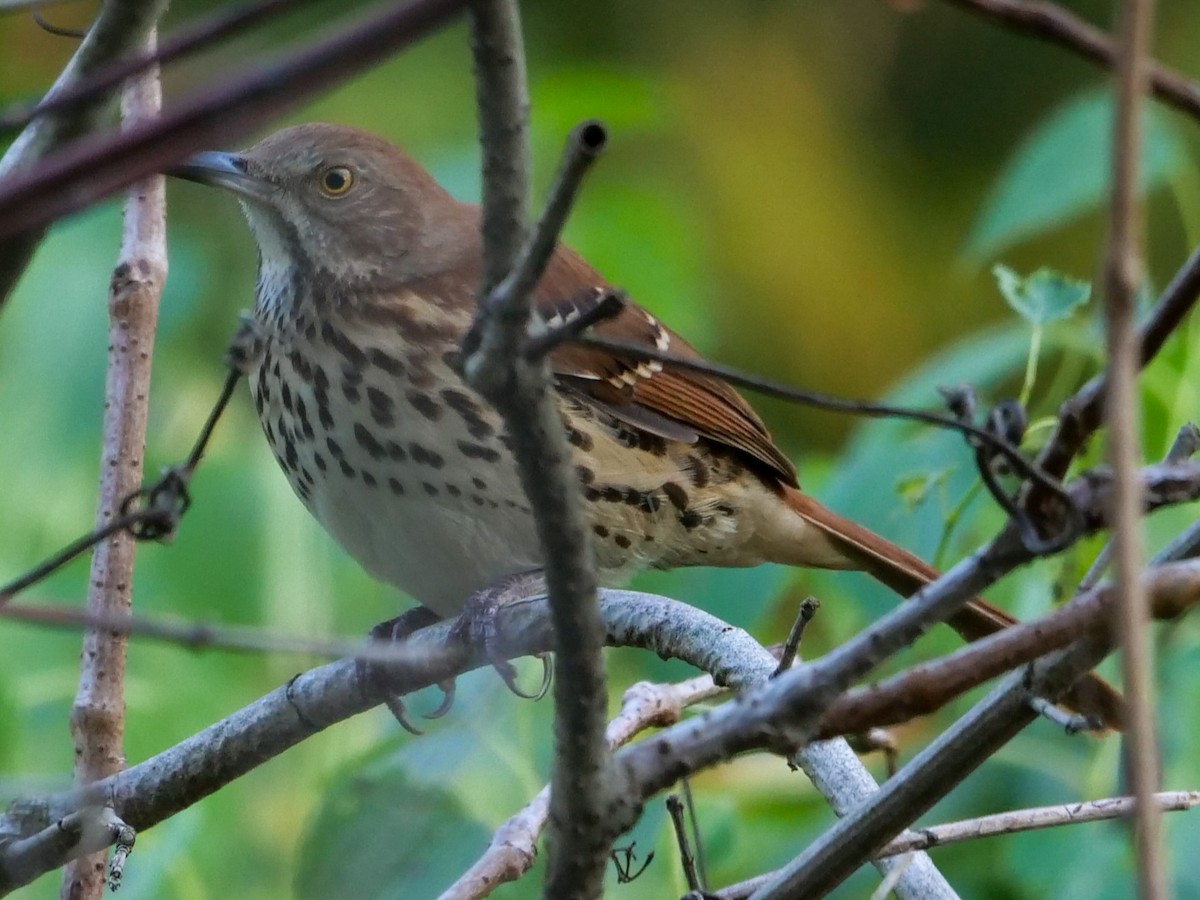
413 478
417 491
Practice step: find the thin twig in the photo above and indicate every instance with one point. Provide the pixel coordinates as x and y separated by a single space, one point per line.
928 686
1122 277
686 860
91 170
187 40
193 635
98 713
1185 445
150 513
689 802
1013 822
1019 820
1060 26
995 442
787 655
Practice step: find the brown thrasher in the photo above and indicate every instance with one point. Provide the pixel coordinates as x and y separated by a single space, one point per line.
367 283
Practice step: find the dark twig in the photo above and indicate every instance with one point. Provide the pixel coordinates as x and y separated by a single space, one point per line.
1081 414
583 147
689 802
150 513
1052 22
96 167
686 860
57 30
929 686
1021 466
606 306
497 364
1184 447
189 39
787 656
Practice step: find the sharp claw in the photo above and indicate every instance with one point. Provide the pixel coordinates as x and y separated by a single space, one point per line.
509 674
396 631
448 688
547 674
396 706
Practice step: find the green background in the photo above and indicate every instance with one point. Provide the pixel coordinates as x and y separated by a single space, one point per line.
812 191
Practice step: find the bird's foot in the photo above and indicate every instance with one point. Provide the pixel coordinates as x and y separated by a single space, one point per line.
477 626
375 674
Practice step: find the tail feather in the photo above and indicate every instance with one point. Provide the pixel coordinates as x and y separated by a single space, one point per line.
906 574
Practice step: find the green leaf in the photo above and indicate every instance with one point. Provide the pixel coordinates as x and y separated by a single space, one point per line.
1043 297
1062 170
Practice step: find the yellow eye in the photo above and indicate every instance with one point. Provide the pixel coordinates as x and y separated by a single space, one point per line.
336 181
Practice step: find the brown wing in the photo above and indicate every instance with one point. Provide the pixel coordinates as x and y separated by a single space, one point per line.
645 390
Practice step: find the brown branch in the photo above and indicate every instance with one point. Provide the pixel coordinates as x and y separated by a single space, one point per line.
1122 277
93 168
119 29
98 713
187 40
1172 589
1053 23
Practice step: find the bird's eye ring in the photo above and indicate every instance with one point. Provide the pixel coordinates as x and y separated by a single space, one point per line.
336 181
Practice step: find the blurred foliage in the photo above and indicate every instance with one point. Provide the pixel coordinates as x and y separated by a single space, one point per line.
816 192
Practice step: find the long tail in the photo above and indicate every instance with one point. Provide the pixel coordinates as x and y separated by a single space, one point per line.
906 574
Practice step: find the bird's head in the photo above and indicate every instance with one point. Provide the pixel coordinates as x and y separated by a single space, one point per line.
339 203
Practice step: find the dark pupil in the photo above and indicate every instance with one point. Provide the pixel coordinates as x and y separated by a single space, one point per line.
335 180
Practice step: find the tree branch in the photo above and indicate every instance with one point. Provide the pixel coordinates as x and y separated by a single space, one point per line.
1122 277
91 169
119 29
1053 23
98 713
1012 822
497 365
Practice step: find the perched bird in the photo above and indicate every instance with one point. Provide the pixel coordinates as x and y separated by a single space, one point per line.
367 281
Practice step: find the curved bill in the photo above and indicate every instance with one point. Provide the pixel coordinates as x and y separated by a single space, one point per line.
223 170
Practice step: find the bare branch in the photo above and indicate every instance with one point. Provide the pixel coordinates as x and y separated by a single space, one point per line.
513 847
187 40
1052 22
1012 822
1033 819
496 363
1172 589
1122 277
119 29
98 713
92 169
159 787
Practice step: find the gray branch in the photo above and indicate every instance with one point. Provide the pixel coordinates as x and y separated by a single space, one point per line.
497 364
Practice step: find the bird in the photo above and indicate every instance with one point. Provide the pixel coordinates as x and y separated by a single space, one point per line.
368 274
